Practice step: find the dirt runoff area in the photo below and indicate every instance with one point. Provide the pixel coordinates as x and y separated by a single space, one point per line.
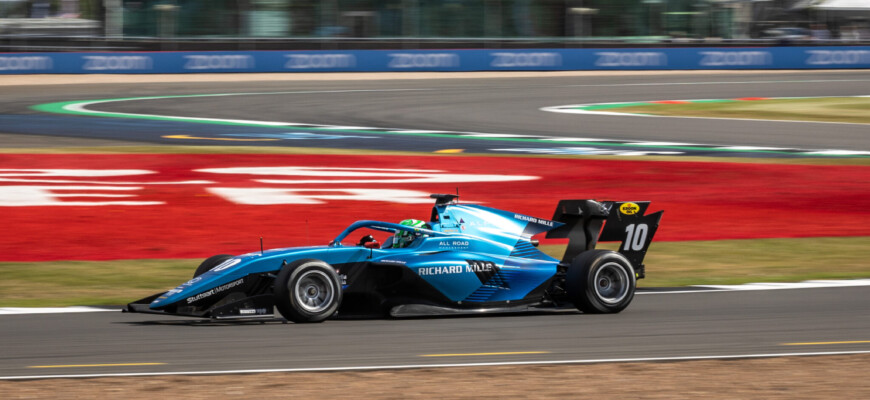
817 377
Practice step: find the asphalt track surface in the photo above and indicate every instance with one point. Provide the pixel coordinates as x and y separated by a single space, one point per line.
487 105
701 324
656 325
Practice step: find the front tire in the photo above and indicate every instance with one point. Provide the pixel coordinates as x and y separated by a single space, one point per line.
210 263
307 291
601 282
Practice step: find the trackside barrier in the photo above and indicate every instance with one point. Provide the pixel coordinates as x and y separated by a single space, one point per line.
437 60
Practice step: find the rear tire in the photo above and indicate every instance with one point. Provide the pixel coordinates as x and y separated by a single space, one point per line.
210 263
601 282
307 290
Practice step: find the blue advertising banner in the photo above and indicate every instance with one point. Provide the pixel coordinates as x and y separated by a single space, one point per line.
437 60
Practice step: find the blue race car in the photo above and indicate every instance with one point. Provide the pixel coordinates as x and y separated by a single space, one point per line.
467 259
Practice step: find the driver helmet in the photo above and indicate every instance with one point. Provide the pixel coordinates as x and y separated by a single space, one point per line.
404 238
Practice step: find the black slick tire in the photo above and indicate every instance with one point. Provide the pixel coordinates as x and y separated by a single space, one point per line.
601 282
210 263
307 290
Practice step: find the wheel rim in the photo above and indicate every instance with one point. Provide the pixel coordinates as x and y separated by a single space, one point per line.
611 283
314 291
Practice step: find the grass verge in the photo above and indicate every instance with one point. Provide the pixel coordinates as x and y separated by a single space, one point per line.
728 262
827 109
66 283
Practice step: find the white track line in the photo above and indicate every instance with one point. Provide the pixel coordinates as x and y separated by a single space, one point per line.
419 366
796 285
49 310
575 109
814 284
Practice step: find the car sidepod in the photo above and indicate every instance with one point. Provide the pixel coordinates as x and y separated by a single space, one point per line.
448 278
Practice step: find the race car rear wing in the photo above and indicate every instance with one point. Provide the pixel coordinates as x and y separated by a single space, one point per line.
624 221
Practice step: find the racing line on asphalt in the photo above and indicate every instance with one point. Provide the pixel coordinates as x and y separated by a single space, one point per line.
525 143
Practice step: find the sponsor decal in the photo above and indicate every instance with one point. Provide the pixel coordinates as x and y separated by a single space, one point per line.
838 57
25 63
423 60
453 244
539 221
629 208
630 59
254 311
218 62
511 60
484 270
480 266
319 61
488 273
226 264
735 58
117 63
211 292
190 282
441 270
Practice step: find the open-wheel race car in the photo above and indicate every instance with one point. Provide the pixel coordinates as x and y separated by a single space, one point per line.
466 259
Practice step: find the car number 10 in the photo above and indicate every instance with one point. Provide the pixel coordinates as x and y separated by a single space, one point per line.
635 237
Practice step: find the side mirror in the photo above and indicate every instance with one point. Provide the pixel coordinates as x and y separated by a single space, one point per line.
365 240
372 245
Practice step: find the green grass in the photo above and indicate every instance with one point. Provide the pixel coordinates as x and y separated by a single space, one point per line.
66 283
825 109
758 260
768 260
